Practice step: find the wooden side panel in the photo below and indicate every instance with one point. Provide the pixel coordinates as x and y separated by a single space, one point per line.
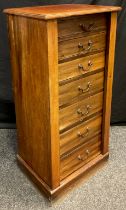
54 101
109 80
31 69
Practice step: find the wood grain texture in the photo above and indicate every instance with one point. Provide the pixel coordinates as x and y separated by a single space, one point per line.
59 11
81 171
62 111
32 90
80 157
72 178
52 37
80 134
81 26
34 177
71 70
80 89
109 79
69 116
70 48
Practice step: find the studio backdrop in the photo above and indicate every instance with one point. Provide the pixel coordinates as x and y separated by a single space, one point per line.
7 113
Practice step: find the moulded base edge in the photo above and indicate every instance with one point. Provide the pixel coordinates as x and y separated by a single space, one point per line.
51 194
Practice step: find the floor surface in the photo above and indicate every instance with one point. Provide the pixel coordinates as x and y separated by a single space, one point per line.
106 190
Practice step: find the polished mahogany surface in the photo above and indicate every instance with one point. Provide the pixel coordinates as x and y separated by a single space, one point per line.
60 11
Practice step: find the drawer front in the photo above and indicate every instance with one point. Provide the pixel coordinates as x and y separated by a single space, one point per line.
79 134
80 26
80 157
78 112
81 88
81 46
81 66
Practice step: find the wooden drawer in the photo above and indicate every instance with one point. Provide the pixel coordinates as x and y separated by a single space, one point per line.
80 134
78 112
81 66
80 88
81 46
80 26
75 160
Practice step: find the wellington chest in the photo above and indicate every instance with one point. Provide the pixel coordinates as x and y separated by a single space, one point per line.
62 69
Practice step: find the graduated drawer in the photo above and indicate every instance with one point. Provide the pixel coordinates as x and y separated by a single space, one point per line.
78 112
81 66
78 158
81 46
80 88
80 134
80 26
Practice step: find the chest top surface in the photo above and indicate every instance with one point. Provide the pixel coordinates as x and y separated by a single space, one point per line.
60 11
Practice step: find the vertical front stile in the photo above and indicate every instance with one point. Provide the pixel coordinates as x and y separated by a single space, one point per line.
54 100
108 81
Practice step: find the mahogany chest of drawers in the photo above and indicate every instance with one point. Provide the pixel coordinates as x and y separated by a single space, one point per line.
62 69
